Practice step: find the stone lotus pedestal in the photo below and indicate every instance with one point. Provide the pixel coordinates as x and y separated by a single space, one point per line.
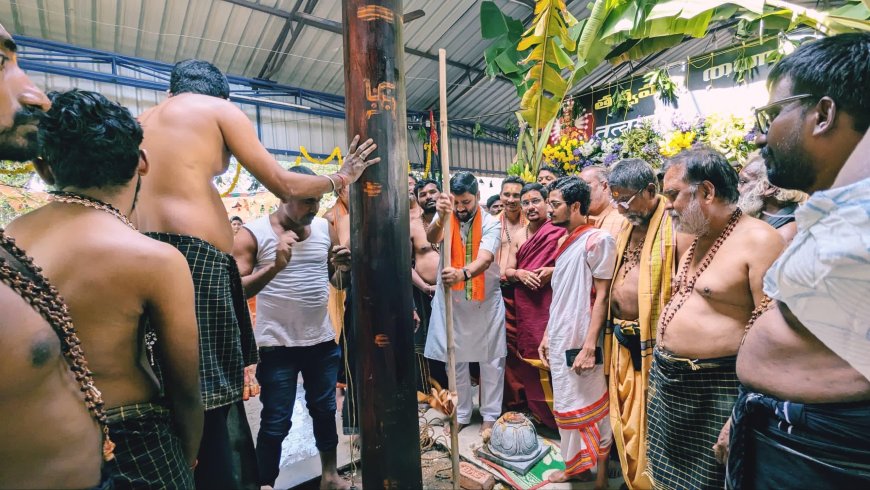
514 444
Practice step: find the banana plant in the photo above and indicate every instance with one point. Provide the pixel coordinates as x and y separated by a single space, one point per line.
559 51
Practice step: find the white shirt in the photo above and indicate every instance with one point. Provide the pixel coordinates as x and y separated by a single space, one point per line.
292 307
824 274
478 326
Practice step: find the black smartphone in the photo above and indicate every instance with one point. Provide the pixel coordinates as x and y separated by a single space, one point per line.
571 355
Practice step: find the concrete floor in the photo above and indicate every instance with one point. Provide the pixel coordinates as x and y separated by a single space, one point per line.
300 462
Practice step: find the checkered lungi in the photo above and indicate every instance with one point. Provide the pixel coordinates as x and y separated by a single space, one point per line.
689 402
226 338
148 452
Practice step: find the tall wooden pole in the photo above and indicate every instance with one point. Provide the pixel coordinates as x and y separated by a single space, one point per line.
381 247
448 297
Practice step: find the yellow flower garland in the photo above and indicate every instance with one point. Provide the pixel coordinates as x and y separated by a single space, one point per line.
335 155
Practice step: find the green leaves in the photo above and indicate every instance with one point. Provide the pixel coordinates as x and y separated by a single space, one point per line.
551 47
503 55
666 88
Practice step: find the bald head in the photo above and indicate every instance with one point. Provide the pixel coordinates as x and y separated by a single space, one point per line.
596 177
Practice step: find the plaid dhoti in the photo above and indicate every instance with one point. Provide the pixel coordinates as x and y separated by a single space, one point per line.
226 338
148 452
689 402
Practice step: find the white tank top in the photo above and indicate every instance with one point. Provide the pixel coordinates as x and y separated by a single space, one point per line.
292 308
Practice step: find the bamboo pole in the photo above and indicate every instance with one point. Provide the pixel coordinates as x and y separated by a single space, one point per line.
448 299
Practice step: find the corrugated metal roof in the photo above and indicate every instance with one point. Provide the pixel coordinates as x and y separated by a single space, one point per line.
239 40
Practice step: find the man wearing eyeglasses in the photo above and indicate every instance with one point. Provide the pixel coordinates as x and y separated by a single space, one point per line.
646 256
531 271
692 380
803 414
570 345
601 214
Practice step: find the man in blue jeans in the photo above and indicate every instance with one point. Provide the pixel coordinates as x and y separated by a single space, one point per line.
287 259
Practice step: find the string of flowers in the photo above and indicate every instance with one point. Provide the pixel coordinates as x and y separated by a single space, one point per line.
732 135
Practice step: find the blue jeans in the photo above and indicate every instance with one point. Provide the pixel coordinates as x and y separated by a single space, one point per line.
277 373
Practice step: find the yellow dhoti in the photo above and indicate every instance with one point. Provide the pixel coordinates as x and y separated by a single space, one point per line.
627 389
629 375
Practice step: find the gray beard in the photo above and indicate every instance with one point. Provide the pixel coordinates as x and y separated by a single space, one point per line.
752 202
692 220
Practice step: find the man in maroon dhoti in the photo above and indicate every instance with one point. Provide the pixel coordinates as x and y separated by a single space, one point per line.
531 271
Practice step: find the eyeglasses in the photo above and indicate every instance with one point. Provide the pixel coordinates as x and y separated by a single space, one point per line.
555 204
625 204
764 117
533 202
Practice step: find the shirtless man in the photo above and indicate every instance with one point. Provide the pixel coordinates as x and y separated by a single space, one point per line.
514 232
189 138
49 438
805 399
424 275
601 214
647 251
693 384
412 198
130 297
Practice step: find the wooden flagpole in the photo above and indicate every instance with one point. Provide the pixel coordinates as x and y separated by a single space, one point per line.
448 297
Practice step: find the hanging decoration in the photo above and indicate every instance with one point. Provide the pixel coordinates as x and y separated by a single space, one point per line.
335 156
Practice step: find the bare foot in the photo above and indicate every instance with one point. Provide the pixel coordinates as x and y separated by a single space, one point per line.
447 428
486 430
562 477
333 482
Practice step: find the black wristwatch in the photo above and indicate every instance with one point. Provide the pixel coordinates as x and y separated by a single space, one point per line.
465 274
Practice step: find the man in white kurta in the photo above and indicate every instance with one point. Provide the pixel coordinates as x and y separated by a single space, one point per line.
585 259
478 326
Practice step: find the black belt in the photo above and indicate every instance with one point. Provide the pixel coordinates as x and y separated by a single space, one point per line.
630 339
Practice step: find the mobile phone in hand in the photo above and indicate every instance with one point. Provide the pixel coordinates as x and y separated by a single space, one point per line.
571 355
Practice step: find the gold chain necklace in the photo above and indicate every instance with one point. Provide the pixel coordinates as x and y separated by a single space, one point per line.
90 202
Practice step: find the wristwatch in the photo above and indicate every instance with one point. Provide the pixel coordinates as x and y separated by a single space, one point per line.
465 274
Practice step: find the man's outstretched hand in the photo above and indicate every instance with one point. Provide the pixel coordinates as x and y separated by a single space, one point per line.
357 160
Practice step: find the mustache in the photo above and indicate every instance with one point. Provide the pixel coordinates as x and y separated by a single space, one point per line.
24 116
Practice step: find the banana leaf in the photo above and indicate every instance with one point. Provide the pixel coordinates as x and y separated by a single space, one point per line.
550 52
492 21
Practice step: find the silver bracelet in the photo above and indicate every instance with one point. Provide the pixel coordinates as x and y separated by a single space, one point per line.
331 182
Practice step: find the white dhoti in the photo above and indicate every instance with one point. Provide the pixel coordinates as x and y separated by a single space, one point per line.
580 401
478 332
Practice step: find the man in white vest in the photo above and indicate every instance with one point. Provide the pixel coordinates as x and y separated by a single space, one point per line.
287 259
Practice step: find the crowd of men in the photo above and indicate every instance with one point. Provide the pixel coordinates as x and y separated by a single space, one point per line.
651 310
708 322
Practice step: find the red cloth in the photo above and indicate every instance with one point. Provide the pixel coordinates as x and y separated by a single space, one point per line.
514 395
533 307
533 312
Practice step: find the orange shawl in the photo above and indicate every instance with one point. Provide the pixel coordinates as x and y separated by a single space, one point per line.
462 254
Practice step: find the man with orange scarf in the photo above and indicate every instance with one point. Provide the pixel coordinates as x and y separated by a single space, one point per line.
478 309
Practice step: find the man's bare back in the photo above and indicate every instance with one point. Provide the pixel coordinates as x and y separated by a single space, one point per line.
189 139
711 322
185 145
